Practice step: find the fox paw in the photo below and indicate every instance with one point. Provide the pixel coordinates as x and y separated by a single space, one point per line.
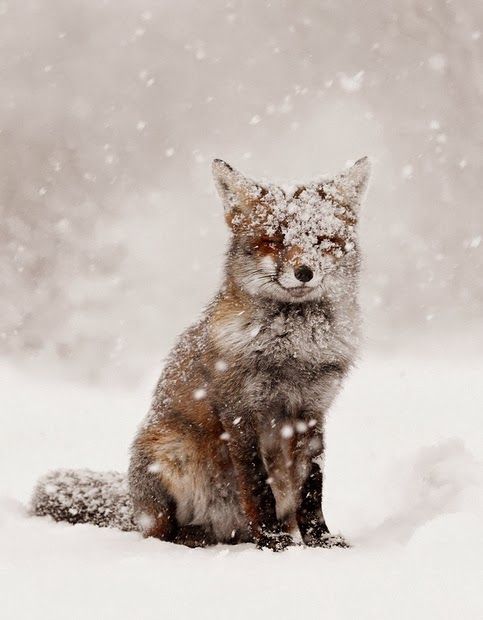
275 541
321 538
194 536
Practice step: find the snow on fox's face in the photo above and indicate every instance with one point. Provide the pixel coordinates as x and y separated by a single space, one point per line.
297 245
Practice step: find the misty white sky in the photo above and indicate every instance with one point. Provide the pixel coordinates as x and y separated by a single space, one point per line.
111 235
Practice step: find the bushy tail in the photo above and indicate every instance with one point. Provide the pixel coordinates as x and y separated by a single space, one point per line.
84 496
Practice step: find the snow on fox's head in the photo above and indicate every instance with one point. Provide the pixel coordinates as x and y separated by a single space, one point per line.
292 246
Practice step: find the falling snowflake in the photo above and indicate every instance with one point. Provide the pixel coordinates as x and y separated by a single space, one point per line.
286 431
199 394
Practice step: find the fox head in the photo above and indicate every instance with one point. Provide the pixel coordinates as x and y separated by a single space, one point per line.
292 246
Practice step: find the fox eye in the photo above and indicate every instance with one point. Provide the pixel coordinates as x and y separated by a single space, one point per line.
269 243
331 244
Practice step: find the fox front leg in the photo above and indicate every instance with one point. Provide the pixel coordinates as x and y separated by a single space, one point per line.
310 517
256 495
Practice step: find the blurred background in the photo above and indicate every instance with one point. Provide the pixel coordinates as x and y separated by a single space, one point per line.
111 235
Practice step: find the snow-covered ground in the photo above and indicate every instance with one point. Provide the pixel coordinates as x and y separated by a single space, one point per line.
403 482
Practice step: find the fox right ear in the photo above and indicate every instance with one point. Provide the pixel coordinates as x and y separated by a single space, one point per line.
237 192
230 183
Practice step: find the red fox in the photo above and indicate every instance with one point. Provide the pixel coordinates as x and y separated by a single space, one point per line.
231 448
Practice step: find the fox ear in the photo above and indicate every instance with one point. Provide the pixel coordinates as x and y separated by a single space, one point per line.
230 183
352 183
237 192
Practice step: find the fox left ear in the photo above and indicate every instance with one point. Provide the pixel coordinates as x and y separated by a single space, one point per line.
237 192
352 183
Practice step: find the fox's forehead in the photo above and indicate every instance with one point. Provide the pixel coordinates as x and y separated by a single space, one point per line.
312 217
300 215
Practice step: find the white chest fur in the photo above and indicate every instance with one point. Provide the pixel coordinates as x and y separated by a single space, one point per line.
309 336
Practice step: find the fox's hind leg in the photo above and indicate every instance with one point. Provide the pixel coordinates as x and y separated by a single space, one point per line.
154 509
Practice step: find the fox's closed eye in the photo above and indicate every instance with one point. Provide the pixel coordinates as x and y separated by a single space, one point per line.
330 242
269 243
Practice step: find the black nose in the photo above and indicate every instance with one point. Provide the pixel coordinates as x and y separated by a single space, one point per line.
303 273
